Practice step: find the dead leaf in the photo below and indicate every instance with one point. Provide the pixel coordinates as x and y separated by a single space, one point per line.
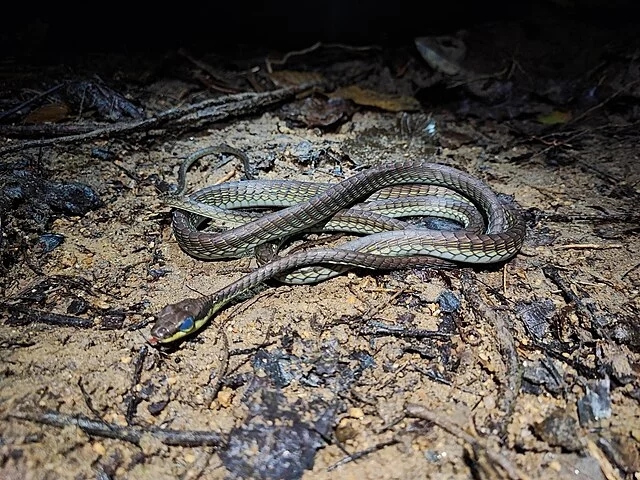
52 112
318 111
443 54
372 98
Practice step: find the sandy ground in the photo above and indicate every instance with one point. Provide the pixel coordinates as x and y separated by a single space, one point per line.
305 381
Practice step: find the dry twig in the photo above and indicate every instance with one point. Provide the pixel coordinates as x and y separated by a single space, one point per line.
98 428
506 345
193 116
476 444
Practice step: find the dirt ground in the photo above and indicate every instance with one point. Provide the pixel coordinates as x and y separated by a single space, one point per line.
532 371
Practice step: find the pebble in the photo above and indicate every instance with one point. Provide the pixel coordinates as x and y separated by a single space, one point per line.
555 465
99 448
355 412
225 397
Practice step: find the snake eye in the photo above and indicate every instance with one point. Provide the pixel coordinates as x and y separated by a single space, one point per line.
187 324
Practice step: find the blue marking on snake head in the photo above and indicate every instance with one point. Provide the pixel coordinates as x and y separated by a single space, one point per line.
187 324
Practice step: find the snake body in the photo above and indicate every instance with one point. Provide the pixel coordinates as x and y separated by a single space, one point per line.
311 206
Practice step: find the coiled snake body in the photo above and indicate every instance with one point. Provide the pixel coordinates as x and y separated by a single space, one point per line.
495 234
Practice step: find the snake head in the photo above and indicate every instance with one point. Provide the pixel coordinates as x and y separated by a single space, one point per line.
175 321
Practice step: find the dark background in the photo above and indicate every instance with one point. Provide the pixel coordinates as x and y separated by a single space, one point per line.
51 29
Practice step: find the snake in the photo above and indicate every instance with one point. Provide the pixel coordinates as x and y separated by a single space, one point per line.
493 231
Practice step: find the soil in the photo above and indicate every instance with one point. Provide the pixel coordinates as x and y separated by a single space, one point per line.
316 381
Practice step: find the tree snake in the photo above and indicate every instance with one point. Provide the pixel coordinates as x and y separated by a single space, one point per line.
495 234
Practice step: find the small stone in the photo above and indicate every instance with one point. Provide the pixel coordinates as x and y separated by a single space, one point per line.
448 301
559 430
49 241
101 303
225 397
555 466
78 306
595 405
99 448
347 429
155 408
356 413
